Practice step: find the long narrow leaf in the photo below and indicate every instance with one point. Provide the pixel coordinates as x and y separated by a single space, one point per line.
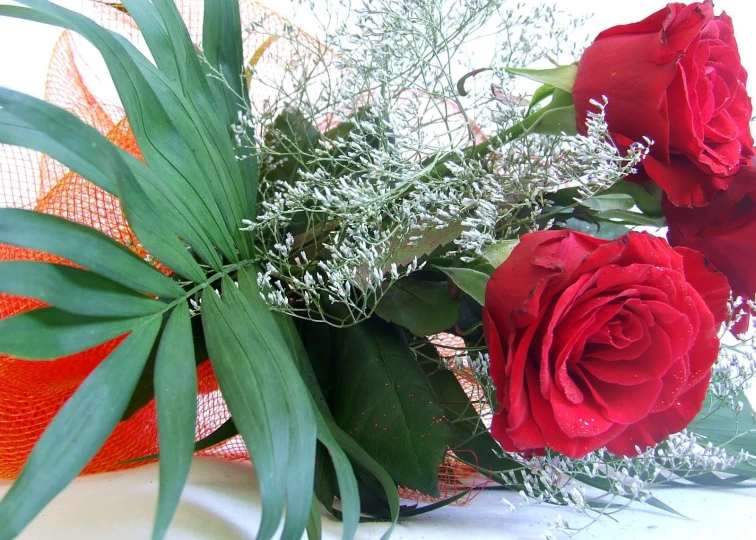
262 422
169 140
84 246
33 123
169 41
77 432
176 400
266 337
64 333
348 490
222 45
361 457
74 290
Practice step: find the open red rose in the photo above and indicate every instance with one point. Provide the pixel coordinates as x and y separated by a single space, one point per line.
675 77
599 343
725 232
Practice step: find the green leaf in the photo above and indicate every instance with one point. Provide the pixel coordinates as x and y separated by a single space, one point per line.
77 432
223 47
561 77
290 134
499 252
167 128
472 441
267 398
342 440
431 241
646 196
176 401
314 528
607 230
331 463
473 282
74 290
221 434
382 398
298 352
609 201
627 217
86 247
33 123
261 420
723 427
64 333
157 220
422 307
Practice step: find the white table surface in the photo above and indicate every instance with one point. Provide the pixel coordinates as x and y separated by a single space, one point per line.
221 500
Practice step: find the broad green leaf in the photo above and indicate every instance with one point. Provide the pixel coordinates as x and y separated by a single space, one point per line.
422 307
609 201
499 252
381 397
473 282
74 290
64 333
176 401
472 441
84 246
77 432
561 77
33 123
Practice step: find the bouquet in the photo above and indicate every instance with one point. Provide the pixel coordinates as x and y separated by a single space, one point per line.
372 265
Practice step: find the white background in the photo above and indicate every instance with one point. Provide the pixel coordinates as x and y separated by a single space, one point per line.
220 501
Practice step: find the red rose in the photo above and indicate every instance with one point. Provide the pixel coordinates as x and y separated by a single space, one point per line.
725 232
675 77
599 343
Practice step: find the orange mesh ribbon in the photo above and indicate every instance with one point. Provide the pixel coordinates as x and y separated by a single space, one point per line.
33 392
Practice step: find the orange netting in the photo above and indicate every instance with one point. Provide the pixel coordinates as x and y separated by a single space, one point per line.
33 392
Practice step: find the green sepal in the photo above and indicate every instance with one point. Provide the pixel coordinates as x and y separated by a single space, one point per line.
561 77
